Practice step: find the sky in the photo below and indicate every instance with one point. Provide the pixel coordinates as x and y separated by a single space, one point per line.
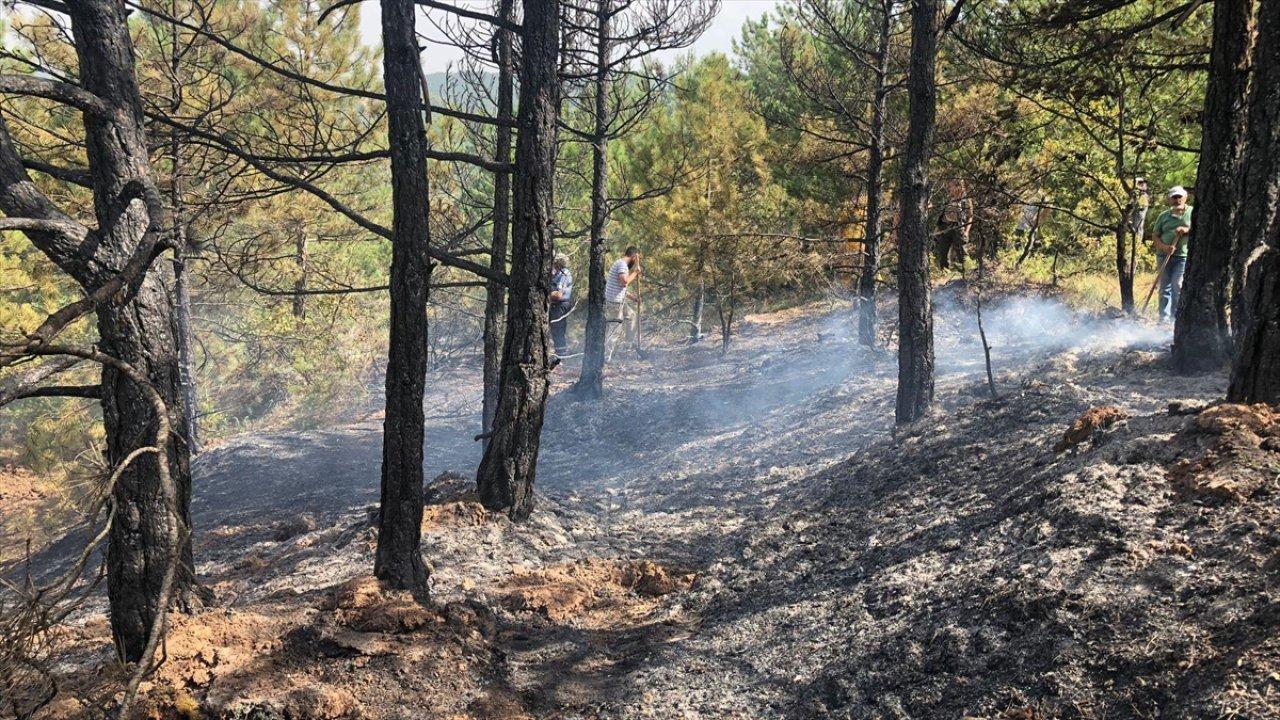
719 37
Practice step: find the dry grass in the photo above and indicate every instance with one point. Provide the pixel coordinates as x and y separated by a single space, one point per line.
1097 292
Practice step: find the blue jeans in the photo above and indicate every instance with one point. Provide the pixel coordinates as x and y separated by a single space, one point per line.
1170 285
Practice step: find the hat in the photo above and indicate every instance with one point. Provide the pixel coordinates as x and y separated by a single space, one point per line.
1177 190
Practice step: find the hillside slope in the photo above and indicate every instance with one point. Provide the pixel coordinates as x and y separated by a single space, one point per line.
749 538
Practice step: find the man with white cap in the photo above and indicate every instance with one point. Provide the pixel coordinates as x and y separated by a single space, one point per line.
1169 238
561 302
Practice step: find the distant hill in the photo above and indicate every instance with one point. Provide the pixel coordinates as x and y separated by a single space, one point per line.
437 83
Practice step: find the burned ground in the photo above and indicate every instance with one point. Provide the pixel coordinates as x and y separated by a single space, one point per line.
748 537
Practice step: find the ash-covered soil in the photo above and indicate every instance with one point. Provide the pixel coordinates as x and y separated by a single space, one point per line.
748 537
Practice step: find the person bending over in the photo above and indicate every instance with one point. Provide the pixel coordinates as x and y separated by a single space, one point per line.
619 311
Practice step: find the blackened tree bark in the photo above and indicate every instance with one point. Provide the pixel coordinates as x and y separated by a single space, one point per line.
495 292
185 338
1251 217
398 561
506 475
1125 242
915 307
183 252
873 229
1255 374
139 332
591 380
1201 336
135 326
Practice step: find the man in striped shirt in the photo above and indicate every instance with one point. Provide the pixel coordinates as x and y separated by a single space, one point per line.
617 301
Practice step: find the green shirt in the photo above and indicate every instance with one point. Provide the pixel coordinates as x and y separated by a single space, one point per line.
1166 229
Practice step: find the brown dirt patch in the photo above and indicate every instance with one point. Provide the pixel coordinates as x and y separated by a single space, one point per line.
495 705
593 592
451 502
214 648
1092 420
25 502
460 513
787 315
1241 458
364 605
344 655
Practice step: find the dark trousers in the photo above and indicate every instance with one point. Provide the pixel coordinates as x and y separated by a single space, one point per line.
949 245
560 330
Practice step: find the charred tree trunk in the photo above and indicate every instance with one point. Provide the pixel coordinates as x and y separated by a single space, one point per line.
398 561
1201 336
1257 182
138 330
183 253
1124 267
142 334
875 187
186 342
591 382
495 292
1255 375
915 307
507 471
726 313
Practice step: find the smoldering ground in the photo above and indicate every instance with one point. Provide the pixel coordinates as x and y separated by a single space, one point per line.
841 567
657 409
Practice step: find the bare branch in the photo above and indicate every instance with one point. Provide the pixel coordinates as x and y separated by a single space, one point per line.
71 230
58 91
302 78
471 14
75 176
92 392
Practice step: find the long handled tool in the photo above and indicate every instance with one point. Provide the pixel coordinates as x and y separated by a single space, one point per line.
639 346
1155 283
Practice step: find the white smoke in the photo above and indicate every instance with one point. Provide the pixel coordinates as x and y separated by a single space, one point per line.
1021 328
